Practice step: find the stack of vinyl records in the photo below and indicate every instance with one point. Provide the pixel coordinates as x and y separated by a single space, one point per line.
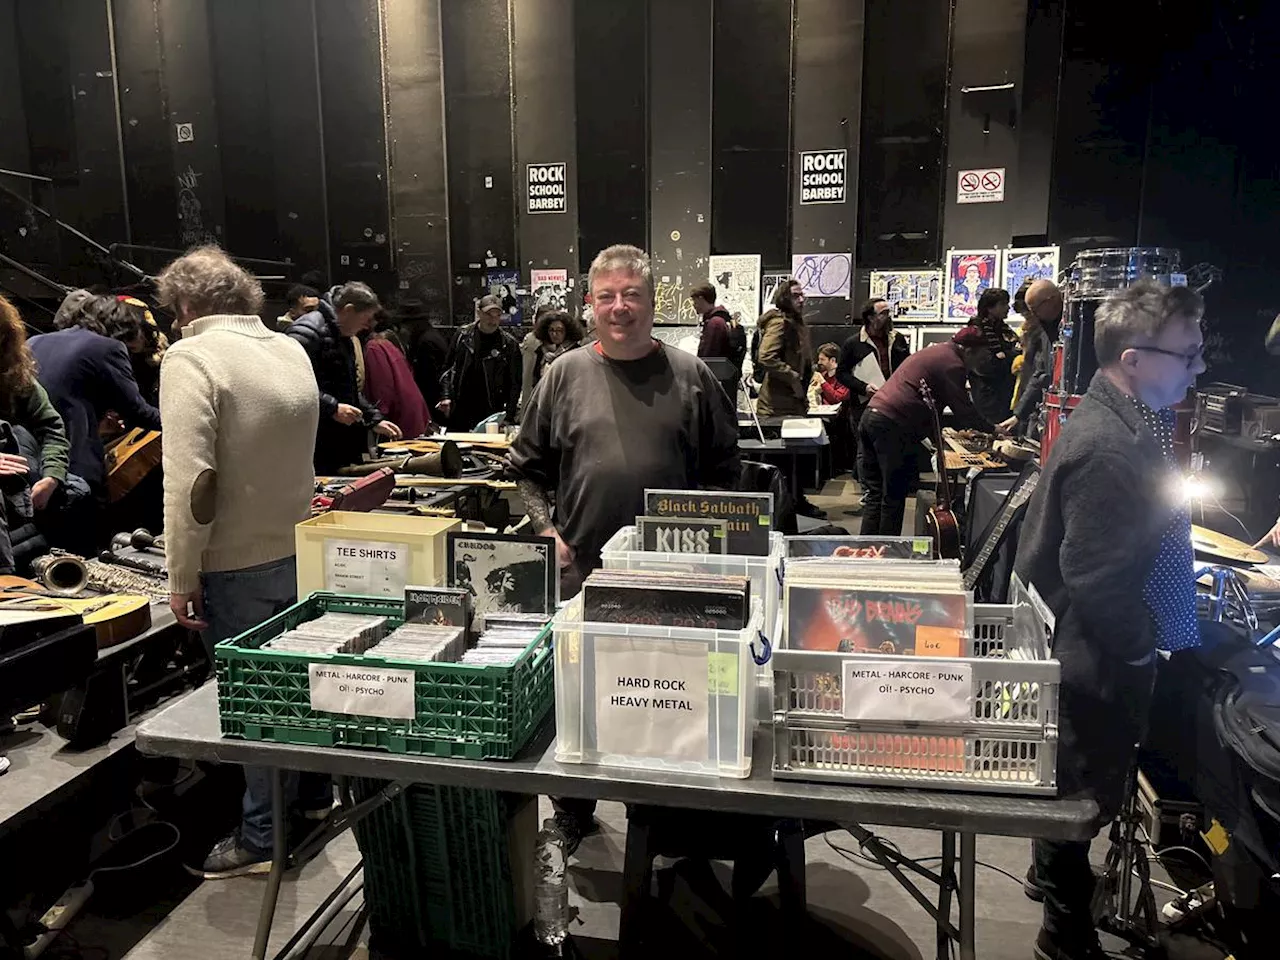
702 601
901 607
422 643
332 633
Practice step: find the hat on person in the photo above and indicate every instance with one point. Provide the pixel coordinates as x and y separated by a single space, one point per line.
487 303
969 336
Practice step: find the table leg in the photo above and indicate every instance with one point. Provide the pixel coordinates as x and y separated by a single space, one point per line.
968 867
948 873
279 854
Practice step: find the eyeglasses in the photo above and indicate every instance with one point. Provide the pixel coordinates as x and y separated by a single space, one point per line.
1188 358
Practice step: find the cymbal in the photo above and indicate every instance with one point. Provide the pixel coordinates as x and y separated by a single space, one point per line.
1218 546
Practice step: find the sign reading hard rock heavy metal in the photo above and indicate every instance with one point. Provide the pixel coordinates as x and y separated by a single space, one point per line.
548 192
822 176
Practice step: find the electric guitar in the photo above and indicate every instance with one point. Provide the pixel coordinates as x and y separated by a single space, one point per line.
940 523
1019 495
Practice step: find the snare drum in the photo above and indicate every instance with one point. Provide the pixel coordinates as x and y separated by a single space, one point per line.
1057 407
1096 273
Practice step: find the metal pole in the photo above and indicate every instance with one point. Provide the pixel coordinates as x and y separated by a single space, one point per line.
279 854
948 871
968 867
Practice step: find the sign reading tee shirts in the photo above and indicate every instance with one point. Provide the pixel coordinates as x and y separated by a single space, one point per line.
822 176
547 190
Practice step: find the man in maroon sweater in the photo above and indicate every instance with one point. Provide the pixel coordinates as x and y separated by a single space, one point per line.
897 419
715 340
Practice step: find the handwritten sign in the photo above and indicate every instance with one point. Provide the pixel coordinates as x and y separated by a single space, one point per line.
651 698
362 691
881 689
366 568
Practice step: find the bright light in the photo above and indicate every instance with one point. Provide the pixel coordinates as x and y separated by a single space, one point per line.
1198 488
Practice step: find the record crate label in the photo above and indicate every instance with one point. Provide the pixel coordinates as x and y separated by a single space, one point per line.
362 691
651 698
881 689
366 568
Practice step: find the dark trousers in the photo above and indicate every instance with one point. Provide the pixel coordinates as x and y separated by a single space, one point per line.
1063 872
888 466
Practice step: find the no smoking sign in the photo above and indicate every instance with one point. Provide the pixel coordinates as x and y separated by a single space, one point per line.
980 186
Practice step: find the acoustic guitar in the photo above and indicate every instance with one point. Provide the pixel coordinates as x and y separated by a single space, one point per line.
129 460
940 523
115 617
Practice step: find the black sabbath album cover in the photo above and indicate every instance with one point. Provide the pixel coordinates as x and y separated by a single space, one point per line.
503 574
438 606
891 621
863 548
682 535
749 515
682 600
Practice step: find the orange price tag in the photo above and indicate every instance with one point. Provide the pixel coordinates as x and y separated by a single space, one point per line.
938 642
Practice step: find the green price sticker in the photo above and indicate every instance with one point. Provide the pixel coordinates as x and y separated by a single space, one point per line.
722 674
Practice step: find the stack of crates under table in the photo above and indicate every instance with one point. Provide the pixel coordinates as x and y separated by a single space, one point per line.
1005 741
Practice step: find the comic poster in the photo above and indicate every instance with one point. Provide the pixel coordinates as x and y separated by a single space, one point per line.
549 288
769 284
1019 265
969 273
737 282
503 284
823 274
914 294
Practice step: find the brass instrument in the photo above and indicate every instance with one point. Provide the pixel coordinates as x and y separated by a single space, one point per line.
140 539
57 569
61 572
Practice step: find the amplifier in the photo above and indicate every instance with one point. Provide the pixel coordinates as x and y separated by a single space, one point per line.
1260 420
1220 409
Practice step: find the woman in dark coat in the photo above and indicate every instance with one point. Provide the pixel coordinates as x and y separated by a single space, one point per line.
557 332
991 376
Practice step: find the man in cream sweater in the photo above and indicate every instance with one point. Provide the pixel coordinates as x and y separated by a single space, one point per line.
239 405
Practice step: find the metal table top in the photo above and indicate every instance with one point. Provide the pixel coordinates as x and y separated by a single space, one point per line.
189 729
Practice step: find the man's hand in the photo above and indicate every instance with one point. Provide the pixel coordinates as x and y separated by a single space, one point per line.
444 407
564 552
1272 539
385 428
12 465
188 608
1006 427
44 488
347 415
869 390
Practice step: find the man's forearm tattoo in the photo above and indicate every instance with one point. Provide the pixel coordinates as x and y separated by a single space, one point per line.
536 504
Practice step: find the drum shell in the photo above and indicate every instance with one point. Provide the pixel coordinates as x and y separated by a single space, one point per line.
1057 407
1098 272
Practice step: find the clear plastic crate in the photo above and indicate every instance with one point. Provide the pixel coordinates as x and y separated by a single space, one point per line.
623 552
590 729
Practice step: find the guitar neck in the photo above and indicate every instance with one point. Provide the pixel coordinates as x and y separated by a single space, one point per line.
1019 497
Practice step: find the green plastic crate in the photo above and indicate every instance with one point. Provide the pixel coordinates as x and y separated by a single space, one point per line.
477 711
437 870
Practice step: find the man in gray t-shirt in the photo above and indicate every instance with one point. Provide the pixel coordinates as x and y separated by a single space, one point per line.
615 417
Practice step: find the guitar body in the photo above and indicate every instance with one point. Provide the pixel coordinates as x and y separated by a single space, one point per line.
115 617
130 459
941 524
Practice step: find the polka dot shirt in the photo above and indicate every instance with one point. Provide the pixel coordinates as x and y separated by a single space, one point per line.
1170 590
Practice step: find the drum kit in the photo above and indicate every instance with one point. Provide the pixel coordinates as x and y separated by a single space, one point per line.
1231 588
1092 277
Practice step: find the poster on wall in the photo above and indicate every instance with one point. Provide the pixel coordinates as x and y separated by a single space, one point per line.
822 176
1021 264
503 285
914 294
546 187
737 282
823 274
549 288
969 273
769 284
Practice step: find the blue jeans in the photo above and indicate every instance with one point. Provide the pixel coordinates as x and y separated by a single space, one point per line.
236 601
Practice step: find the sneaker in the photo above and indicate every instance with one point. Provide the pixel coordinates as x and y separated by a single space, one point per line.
1049 947
232 857
1031 886
574 829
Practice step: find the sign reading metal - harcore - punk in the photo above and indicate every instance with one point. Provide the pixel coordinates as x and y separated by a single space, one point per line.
822 176
547 190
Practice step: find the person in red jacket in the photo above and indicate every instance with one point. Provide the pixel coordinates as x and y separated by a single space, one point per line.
389 385
898 419
831 391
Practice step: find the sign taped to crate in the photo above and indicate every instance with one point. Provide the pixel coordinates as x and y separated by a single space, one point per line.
651 698
366 568
885 689
362 691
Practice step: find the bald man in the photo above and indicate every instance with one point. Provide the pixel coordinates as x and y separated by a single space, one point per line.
1044 313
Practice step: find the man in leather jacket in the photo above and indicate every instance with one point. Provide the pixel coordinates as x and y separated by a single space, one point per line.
484 372
326 333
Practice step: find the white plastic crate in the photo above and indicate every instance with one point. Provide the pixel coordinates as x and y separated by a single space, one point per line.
623 552
652 669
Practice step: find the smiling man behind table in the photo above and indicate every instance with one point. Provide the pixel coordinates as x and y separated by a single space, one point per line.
1107 543
610 419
